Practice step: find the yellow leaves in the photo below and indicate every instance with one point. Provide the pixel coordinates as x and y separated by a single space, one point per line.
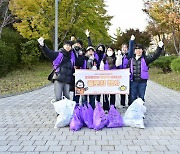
165 13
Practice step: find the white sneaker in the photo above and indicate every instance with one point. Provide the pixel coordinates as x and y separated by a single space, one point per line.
106 111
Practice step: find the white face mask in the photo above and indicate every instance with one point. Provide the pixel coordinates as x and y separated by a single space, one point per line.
109 53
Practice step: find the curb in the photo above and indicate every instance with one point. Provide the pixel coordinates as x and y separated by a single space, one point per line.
23 92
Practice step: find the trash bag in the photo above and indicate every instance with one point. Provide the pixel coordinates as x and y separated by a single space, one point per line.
64 108
64 104
62 120
99 117
134 115
114 118
77 121
87 115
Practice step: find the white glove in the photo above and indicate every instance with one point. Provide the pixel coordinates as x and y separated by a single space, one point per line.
132 37
119 52
94 68
41 41
72 38
160 44
87 32
91 57
101 65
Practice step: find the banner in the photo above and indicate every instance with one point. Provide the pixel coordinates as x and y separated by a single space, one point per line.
93 82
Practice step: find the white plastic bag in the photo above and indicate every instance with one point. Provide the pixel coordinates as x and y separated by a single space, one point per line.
64 108
134 115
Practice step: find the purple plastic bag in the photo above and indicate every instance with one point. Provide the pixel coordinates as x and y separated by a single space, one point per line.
114 118
87 114
77 121
99 117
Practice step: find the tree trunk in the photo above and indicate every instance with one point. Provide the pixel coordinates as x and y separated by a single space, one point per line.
174 42
0 32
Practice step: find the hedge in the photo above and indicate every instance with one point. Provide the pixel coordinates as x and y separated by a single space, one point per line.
175 65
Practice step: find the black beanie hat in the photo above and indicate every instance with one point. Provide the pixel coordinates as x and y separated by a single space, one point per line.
68 42
79 41
139 46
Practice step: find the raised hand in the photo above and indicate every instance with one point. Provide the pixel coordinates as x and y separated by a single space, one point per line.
41 41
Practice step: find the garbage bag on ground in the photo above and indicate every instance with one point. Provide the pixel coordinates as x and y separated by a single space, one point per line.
77 120
134 115
87 115
114 118
64 104
64 108
99 117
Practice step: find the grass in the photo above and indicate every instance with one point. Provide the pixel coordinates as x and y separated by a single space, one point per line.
22 80
170 80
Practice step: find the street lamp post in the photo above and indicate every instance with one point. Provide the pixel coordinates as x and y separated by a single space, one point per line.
56 26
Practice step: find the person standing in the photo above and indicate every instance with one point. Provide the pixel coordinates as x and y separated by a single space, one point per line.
109 62
139 70
77 54
63 63
91 64
125 52
99 54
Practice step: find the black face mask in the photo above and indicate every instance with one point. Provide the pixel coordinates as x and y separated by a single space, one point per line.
77 48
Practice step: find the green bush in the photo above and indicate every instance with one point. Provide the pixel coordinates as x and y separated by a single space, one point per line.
30 52
9 50
12 38
8 57
164 63
175 65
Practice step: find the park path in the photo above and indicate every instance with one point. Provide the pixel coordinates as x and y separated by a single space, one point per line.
27 126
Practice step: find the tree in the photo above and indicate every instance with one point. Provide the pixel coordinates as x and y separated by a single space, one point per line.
167 16
141 37
6 17
75 16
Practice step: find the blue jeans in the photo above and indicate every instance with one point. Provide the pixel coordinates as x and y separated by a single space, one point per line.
137 89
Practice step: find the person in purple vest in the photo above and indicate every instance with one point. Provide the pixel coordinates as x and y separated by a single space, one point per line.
63 64
89 63
99 54
77 53
125 52
109 62
139 70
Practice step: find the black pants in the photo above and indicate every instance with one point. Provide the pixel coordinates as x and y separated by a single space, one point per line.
123 99
98 97
106 105
76 98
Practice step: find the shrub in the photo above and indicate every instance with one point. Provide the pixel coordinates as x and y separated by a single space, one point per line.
8 57
12 38
164 63
29 52
175 65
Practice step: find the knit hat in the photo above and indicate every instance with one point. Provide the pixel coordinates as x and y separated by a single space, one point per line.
90 47
68 42
78 41
138 46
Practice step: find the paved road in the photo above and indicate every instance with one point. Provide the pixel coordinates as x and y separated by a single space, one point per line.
27 126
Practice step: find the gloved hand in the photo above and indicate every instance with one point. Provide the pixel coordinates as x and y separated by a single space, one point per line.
41 41
160 44
119 52
94 68
132 37
91 57
87 32
73 38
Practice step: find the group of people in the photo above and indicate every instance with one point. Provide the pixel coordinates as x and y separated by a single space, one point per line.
72 56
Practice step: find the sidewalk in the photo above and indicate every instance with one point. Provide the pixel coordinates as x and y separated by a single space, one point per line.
27 126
